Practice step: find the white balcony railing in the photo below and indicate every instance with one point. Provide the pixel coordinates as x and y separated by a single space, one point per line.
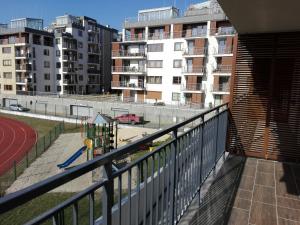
192 87
225 87
128 84
194 51
125 53
193 69
128 69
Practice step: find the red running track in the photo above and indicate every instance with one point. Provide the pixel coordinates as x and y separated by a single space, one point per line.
16 138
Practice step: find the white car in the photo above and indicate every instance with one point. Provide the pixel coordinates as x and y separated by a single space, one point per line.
18 107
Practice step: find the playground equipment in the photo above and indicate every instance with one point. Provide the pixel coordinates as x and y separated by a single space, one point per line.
99 138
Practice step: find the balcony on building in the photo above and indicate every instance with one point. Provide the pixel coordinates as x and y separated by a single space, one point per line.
92 49
130 85
192 87
22 52
69 57
223 50
93 59
23 67
193 70
69 67
48 41
129 54
195 52
93 79
69 43
221 88
93 70
135 35
128 70
22 39
70 79
223 28
159 33
192 31
223 70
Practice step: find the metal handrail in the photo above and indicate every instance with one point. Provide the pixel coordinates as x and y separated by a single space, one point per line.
193 69
217 115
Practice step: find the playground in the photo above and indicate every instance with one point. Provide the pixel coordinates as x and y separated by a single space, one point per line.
73 149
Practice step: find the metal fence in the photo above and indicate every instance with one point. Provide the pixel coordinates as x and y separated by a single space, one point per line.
16 168
167 179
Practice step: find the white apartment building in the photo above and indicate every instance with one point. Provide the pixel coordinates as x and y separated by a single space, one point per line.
72 57
165 57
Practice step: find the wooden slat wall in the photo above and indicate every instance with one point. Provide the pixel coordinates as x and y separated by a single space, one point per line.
266 97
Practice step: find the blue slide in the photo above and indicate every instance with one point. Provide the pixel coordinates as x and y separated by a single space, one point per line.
72 158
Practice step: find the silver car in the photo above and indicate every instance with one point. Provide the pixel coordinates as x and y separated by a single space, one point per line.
18 107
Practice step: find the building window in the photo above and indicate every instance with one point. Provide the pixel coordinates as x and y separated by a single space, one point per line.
57 41
80 56
155 64
7 75
47 76
177 63
47 88
58 53
58 88
58 76
33 65
175 96
176 80
46 64
80 44
46 52
80 66
154 79
33 52
178 46
8 87
58 65
155 47
7 62
80 33
6 50
80 77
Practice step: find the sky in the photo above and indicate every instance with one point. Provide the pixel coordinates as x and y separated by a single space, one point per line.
106 12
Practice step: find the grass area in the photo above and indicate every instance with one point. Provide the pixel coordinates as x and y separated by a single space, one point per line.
43 127
24 213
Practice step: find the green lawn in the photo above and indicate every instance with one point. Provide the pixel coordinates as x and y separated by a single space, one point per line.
26 212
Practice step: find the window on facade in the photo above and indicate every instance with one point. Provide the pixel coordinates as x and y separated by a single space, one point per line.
80 56
58 76
57 41
80 44
8 87
46 52
80 66
176 80
47 76
7 62
57 53
7 75
80 33
177 63
47 88
33 52
155 64
178 46
155 47
154 79
46 64
6 50
80 77
175 96
58 88
58 65
33 65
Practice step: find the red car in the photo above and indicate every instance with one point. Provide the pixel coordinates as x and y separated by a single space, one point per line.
129 118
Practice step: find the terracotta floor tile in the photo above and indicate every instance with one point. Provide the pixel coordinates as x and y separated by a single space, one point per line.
264 194
246 183
265 179
263 214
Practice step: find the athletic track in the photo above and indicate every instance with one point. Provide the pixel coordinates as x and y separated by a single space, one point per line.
16 138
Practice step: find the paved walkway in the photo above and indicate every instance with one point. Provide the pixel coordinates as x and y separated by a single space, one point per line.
252 191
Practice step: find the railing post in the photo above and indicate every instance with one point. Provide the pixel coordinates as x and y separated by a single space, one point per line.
108 194
201 157
217 134
173 193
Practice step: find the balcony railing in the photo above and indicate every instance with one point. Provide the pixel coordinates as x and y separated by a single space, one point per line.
194 33
158 36
221 87
69 70
192 87
193 69
20 80
69 58
70 81
223 50
223 69
93 71
223 31
195 51
69 46
128 69
167 179
127 84
27 67
127 54
135 37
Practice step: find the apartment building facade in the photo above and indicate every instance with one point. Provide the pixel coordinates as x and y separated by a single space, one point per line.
165 57
67 58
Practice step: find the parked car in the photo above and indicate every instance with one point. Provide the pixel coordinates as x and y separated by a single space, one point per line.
18 107
129 118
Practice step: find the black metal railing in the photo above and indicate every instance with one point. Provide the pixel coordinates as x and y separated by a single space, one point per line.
158 186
